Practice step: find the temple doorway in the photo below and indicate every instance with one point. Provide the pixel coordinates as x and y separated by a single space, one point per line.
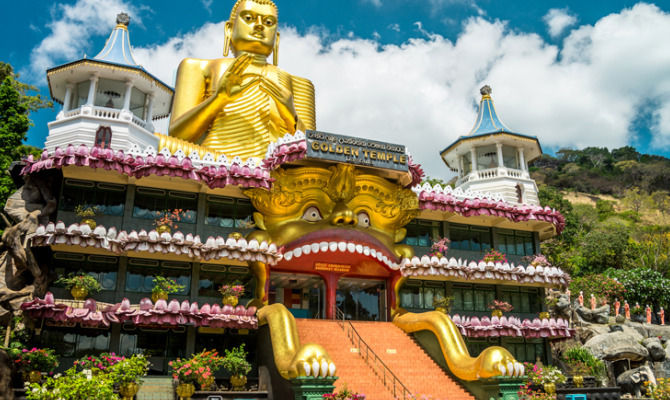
302 294
362 299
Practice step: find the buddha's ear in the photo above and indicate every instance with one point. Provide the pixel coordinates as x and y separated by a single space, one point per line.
259 220
227 33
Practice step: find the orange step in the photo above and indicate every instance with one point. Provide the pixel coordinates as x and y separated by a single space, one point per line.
409 362
352 371
404 357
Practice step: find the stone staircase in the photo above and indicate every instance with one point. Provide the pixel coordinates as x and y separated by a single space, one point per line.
156 388
401 354
351 369
410 362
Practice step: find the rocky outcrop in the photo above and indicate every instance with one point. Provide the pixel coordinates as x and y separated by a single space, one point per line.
616 346
655 348
600 315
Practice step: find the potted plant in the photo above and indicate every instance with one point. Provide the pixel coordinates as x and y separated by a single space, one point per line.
36 361
581 362
443 304
208 362
127 373
497 308
231 293
545 377
184 373
236 363
439 248
73 385
79 284
87 213
163 287
97 364
494 256
166 220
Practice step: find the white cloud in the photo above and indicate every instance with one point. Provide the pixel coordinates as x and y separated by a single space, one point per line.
557 20
71 30
423 93
207 4
376 3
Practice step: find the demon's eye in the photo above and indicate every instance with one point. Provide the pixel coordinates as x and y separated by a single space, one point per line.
363 219
312 214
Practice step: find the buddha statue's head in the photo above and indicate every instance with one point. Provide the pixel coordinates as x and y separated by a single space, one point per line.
252 28
314 204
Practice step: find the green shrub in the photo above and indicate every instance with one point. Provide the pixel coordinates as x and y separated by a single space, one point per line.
580 360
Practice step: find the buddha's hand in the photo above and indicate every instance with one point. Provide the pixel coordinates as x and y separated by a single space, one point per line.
284 100
231 82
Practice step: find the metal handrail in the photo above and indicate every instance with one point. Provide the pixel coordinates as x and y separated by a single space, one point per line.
388 378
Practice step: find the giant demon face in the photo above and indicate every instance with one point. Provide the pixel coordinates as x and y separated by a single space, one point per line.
340 206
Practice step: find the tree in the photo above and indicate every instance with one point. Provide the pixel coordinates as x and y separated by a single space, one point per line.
15 106
660 200
634 199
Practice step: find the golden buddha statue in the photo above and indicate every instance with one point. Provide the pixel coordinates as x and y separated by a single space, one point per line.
237 106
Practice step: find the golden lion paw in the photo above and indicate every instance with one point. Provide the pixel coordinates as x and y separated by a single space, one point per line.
497 361
312 360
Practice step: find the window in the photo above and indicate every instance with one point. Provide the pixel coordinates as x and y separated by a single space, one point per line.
529 350
103 137
510 157
137 101
152 203
158 343
110 93
79 94
141 273
467 163
421 233
107 198
472 297
487 157
102 268
70 343
421 294
524 300
213 276
467 237
226 212
518 243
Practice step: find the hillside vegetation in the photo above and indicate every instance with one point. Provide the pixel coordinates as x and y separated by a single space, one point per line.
617 209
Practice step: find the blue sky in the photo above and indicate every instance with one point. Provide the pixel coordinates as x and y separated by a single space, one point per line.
573 73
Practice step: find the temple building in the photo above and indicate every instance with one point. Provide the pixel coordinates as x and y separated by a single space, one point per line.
319 228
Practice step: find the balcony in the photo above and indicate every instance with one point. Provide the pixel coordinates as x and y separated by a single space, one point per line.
492 173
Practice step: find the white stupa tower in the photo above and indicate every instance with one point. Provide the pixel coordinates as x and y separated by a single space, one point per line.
109 101
492 158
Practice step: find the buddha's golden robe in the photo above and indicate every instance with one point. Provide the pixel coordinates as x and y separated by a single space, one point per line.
245 126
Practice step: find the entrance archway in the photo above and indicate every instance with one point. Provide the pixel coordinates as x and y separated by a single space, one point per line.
362 299
302 294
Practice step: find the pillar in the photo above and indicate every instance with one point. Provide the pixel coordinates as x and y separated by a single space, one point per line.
522 160
461 166
150 108
331 294
126 98
473 159
91 90
501 163
68 97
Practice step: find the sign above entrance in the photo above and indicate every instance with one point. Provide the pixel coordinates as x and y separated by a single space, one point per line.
353 150
330 267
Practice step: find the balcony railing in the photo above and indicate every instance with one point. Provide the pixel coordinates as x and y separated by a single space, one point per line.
386 376
105 113
492 173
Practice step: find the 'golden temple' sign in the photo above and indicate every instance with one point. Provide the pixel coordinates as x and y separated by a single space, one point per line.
353 150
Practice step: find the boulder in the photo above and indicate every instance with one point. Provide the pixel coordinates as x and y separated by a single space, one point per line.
620 319
655 348
615 346
600 315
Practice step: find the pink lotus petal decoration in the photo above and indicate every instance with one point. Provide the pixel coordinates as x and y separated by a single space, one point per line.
161 314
